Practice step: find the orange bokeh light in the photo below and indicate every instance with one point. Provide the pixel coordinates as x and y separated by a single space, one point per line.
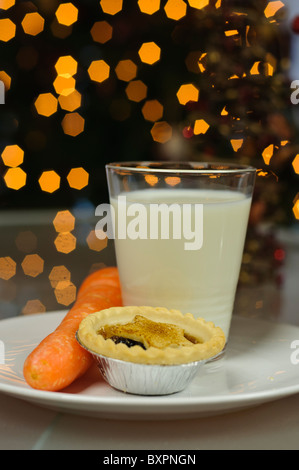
149 6
296 164
65 292
65 242
64 221
33 23
59 273
236 144
78 178
152 110
161 132
175 9
73 124
49 181
46 104
33 306
126 70
111 6
149 53
272 8
186 93
200 126
296 209
6 4
66 66
15 178
268 154
7 30
7 268
12 155
136 91
64 85
33 265
101 32
70 102
99 71
199 4
95 243
66 14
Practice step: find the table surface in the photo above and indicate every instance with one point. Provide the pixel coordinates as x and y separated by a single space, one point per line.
273 425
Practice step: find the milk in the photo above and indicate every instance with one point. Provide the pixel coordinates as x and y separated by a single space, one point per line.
162 272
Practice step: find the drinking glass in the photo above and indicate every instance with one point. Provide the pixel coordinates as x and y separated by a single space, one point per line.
179 230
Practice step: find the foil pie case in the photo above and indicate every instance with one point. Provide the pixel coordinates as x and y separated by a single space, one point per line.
145 379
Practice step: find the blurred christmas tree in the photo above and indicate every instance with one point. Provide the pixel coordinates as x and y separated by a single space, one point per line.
172 79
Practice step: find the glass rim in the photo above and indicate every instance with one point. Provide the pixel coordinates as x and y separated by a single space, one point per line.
187 167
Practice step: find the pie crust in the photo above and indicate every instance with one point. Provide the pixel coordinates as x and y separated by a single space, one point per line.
210 340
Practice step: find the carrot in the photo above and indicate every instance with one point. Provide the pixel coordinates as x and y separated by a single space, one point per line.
58 359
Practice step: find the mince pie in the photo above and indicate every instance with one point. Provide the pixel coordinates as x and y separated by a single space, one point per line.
150 335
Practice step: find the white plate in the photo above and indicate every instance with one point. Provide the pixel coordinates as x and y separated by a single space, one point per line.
256 368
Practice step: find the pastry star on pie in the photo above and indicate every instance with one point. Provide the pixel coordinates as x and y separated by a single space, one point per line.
146 333
150 335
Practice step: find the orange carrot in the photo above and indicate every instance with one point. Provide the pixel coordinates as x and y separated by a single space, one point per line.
58 360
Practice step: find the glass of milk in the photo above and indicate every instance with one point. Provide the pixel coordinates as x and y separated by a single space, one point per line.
179 231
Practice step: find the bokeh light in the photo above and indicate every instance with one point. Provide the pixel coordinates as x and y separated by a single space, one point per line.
26 241
295 164
66 14
111 6
33 23
149 6
8 267
268 154
65 292
64 221
15 178
161 132
64 84
94 241
46 104
73 124
136 90
187 92
200 126
33 306
296 208
101 32
65 242
199 4
71 101
99 71
6 4
12 155
7 29
272 8
49 181
58 274
175 9
78 178
126 70
66 66
32 265
149 53
152 110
